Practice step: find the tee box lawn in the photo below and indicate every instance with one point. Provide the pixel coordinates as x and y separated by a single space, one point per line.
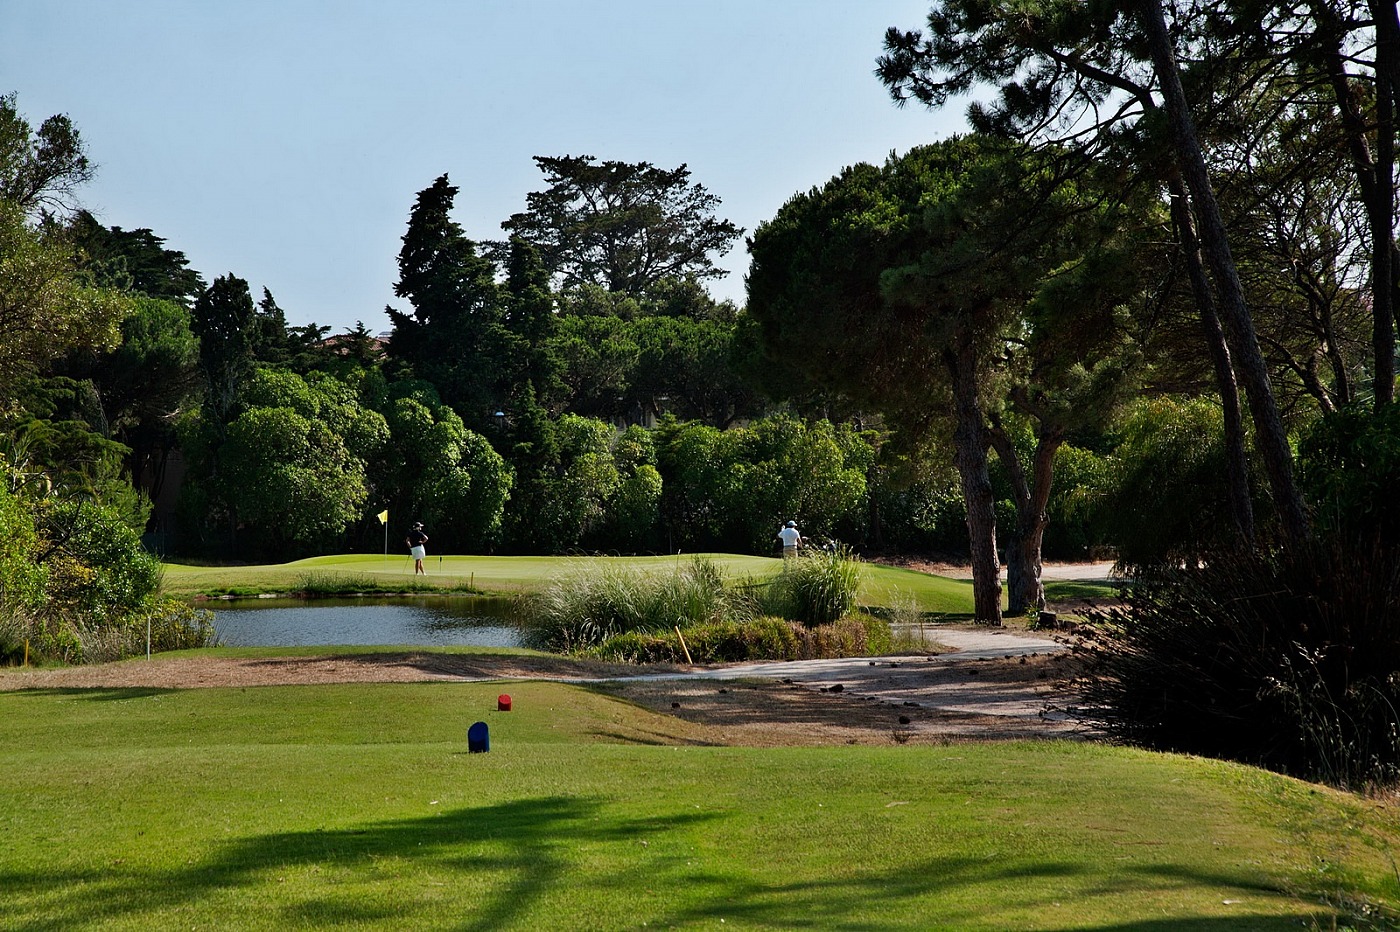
359 806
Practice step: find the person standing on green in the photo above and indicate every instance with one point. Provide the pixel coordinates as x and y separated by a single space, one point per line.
417 545
791 539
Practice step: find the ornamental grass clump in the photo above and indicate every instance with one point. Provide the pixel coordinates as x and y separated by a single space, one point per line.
1289 661
586 608
816 588
765 638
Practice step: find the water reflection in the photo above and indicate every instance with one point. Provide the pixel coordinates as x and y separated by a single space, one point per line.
437 622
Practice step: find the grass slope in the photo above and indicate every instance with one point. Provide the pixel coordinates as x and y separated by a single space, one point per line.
357 806
884 586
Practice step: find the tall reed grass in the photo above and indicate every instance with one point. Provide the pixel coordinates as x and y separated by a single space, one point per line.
584 608
815 588
764 638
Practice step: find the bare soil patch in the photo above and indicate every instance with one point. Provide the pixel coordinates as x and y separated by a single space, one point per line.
910 700
903 700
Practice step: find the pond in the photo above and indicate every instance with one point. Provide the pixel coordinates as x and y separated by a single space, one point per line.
417 621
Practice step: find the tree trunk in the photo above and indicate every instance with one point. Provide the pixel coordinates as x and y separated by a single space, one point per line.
1374 173
1025 590
1248 361
970 456
1383 217
1236 458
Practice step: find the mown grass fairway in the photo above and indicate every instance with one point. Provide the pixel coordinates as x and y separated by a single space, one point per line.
358 806
883 586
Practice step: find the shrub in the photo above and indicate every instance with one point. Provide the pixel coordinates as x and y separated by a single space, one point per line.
817 588
1349 464
585 609
14 630
764 638
173 625
176 625
1287 661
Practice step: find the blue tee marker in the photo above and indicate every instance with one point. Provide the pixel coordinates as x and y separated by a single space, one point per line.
478 738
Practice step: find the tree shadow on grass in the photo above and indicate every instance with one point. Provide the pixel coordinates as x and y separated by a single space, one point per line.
883 899
522 847
525 855
96 694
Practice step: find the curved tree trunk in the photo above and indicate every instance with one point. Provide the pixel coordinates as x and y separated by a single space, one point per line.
1025 590
1248 361
1382 216
1236 459
970 456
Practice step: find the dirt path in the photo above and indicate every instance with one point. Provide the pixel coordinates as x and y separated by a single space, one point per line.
992 684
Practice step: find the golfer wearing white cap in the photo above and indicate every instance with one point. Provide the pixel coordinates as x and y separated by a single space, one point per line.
791 539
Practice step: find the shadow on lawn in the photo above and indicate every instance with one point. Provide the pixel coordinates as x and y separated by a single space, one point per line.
516 852
96 694
883 900
533 854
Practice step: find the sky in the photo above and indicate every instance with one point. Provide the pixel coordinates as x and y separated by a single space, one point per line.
284 141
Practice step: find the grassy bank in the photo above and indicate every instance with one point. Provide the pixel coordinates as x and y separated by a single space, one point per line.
884 586
357 805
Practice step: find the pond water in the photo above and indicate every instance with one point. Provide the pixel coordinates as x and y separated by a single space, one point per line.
436 622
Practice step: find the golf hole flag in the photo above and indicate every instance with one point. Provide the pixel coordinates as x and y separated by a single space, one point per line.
384 516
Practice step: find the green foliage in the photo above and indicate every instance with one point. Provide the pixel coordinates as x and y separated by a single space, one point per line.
1349 467
733 489
586 608
135 261
636 508
59 444
76 586
1284 660
290 470
817 587
835 273
175 625
1080 476
590 608
290 480
40 169
48 311
761 638
97 569
1163 497
22 576
458 335
153 373
223 319
622 226
924 514
623 358
584 484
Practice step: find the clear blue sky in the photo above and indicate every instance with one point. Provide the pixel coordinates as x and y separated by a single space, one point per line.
285 140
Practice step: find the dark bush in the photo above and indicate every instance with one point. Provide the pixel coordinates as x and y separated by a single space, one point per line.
1349 467
1290 661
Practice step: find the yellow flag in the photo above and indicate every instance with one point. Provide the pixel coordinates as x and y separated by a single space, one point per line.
384 516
